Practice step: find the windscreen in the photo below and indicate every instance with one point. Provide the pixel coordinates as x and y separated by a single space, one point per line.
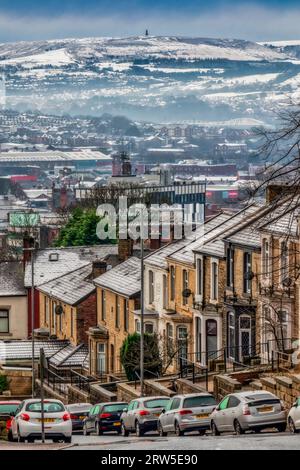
196 402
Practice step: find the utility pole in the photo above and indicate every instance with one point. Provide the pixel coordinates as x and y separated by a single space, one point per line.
43 368
32 321
32 250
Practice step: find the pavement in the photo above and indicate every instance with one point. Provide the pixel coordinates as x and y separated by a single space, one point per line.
152 442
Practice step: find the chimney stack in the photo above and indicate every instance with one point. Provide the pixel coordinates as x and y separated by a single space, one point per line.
125 249
99 268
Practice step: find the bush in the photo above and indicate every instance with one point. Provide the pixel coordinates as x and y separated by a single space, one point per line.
3 384
3 432
130 356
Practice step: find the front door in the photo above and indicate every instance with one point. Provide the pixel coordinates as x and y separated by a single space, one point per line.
211 338
245 336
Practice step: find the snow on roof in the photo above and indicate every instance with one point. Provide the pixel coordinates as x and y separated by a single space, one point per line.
124 279
12 279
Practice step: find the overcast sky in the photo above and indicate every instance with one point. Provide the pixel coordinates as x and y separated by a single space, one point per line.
259 20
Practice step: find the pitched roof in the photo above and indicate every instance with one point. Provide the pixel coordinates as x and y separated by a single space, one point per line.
22 350
69 259
72 287
70 356
11 279
124 279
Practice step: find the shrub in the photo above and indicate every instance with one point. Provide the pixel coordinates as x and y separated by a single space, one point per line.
130 356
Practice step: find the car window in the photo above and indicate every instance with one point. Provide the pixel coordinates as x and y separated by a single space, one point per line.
194 402
92 411
114 408
131 405
156 403
223 404
233 402
97 409
175 404
169 405
136 405
8 408
49 407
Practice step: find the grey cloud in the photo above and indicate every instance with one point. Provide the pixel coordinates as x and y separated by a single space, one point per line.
247 22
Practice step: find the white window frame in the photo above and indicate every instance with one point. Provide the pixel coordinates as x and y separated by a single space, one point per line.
266 257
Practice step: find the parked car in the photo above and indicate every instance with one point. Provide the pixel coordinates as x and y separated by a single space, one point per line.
142 415
294 417
78 413
104 417
27 422
6 409
186 413
245 411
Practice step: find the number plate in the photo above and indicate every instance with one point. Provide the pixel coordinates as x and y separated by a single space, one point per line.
47 420
82 417
204 416
117 424
266 409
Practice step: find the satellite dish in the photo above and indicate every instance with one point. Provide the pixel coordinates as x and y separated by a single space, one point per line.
287 282
186 293
59 310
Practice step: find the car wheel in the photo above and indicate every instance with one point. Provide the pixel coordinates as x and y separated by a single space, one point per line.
202 432
160 430
238 428
292 426
98 430
10 436
85 431
124 431
68 440
20 438
178 431
138 430
281 427
214 429
30 441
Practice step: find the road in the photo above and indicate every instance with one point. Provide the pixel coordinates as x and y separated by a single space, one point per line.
262 441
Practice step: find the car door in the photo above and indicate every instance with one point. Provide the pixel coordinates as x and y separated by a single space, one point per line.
219 417
172 414
297 414
91 423
88 419
230 413
136 406
14 424
127 417
165 416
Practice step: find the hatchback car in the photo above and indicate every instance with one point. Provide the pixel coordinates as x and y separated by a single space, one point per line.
294 417
78 413
6 410
142 415
27 422
186 413
105 417
246 411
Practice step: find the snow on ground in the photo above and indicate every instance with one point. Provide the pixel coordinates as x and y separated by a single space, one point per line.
55 58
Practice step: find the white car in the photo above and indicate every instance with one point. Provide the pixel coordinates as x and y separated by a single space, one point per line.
294 417
27 421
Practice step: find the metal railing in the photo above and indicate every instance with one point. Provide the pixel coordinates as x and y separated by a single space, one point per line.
195 371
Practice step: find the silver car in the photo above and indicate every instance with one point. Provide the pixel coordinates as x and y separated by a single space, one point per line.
294 417
186 413
142 415
246 411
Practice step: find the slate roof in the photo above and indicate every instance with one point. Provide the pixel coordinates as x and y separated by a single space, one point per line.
70 356
249 236
285 225
71 288
124 279
12 279
226 222
69 260
159 257
22 350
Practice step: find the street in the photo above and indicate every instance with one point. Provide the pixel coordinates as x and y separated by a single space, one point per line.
262 441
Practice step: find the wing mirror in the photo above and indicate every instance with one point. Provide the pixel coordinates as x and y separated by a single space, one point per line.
125 410
163 411
12 414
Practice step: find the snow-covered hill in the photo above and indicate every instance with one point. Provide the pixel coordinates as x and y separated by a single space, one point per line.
152 78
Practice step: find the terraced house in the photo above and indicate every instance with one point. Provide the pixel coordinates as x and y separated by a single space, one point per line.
118 297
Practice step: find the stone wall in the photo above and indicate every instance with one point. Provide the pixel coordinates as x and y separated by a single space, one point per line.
126 392
19 381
